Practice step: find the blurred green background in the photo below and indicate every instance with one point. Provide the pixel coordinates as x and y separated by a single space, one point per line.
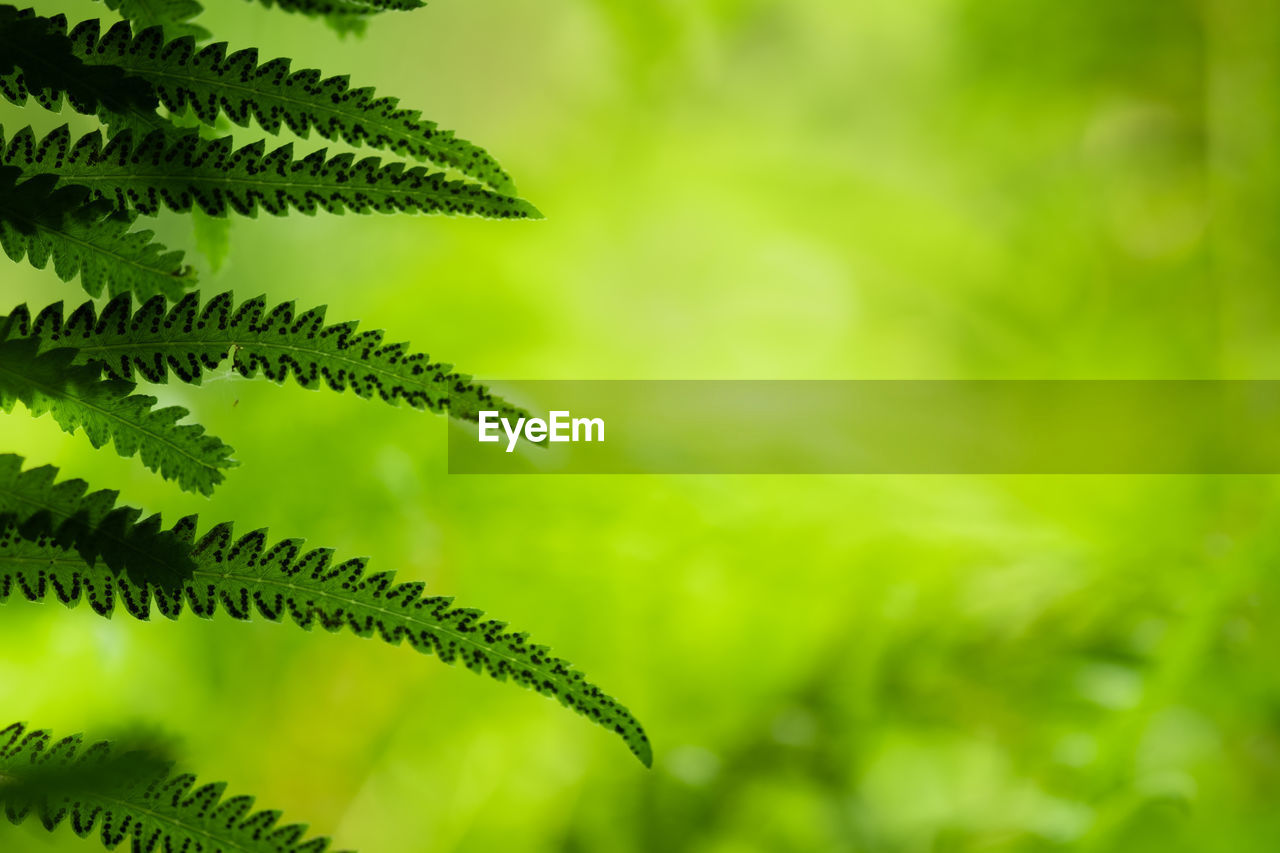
749 189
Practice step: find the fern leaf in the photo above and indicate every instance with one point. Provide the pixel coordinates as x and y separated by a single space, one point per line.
373 5
107 410
173 15
344 16
129 802
277 343
37 60
86 238
192 172
53 527
213 83
343 7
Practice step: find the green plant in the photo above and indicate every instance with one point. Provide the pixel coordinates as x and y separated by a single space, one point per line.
132 795
161 100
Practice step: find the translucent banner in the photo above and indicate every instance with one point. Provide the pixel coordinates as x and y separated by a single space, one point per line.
875 427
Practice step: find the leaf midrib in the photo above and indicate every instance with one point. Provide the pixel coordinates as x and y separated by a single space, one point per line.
188 345
219 842
124 178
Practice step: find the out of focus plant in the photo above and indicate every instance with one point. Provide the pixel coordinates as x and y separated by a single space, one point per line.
74 201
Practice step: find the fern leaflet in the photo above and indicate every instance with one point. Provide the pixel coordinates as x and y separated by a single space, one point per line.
107 410
88 238
37 60
342 16
53 528
133 801
213 83
279 343
174 15
161 171
343 7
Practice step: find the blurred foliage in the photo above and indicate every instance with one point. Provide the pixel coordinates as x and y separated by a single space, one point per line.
743 189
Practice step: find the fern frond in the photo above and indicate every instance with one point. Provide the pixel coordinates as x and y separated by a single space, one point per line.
213 83
37 61
107 410
146 806
173 15
242 575
191 172
277 343
342 16
86 238
343 7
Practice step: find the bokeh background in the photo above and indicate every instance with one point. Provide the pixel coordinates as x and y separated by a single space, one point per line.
750 189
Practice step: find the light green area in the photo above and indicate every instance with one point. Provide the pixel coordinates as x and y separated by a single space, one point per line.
750 189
